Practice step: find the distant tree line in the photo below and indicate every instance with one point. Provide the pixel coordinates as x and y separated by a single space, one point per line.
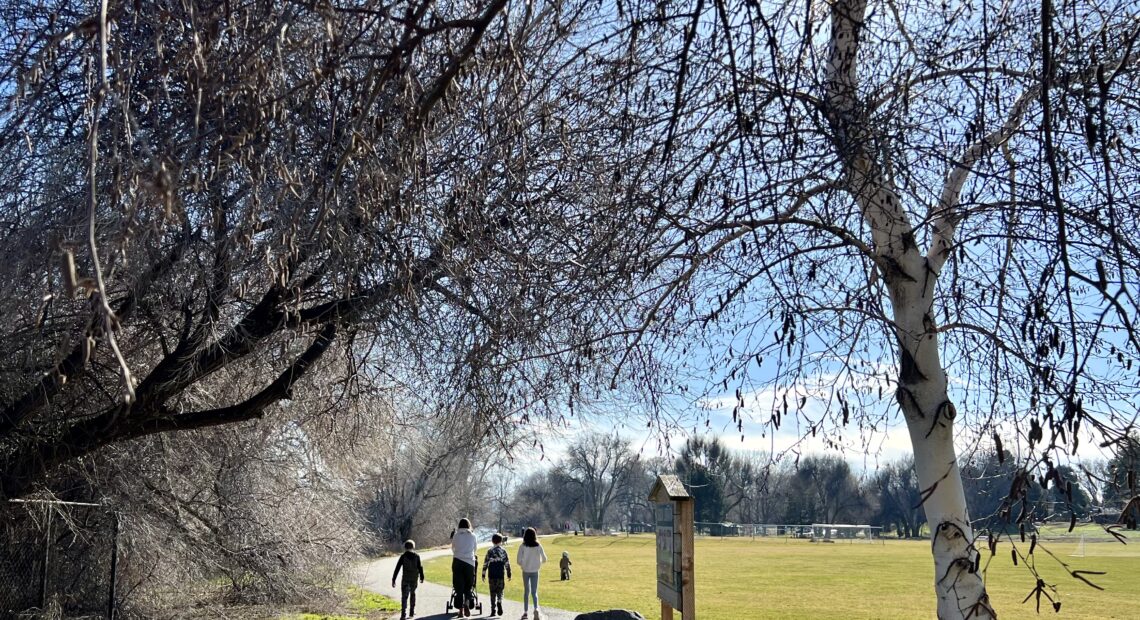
602 483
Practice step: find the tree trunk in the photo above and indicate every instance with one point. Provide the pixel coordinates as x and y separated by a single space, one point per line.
910 277
930 415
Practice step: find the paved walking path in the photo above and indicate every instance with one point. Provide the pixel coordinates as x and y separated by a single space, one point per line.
431 599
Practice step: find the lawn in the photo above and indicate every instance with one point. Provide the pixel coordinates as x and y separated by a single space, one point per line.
793 579
359 605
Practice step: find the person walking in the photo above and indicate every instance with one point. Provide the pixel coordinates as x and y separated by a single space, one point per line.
530 559
413 569
498 562
463 562
564 565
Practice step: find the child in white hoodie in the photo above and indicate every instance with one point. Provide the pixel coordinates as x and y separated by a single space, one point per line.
530 559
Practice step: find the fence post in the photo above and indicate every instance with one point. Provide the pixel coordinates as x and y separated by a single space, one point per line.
114 565
47 557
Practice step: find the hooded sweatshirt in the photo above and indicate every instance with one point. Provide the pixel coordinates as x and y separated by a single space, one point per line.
463 545
413 568
530 559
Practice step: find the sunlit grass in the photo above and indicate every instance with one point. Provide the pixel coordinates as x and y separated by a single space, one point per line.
361 605
365 602
790 579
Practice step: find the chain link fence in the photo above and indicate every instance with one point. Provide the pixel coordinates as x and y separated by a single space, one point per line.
57 560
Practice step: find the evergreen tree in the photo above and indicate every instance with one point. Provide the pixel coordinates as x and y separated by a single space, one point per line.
1122 472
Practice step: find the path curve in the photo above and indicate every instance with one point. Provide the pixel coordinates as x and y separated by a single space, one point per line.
431 598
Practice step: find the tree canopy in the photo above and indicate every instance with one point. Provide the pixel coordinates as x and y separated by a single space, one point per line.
203 202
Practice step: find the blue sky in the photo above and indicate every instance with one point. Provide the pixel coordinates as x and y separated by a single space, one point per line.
882 438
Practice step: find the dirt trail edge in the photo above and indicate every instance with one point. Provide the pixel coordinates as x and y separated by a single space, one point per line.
431 598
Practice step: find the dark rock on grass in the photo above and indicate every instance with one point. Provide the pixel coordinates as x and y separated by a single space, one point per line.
612 614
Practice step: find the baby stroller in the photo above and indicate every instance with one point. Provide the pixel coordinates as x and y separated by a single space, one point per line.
455 602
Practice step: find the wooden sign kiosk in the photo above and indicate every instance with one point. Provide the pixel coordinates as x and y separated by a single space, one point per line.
673 516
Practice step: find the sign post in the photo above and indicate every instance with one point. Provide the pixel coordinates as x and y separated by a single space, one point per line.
673 518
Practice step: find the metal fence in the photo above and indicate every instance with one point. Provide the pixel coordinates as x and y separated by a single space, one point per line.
57 559
790 530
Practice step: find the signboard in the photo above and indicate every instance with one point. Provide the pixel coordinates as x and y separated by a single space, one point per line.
673 523
668 555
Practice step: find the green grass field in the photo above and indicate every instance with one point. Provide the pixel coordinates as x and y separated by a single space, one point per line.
358 604
793 579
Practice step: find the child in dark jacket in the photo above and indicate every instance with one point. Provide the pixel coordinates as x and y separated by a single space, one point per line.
497 565
564 564
413 568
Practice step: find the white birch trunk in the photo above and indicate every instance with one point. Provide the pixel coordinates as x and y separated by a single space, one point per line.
930 415
910 277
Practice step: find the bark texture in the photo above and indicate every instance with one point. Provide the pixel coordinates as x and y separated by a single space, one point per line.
910 276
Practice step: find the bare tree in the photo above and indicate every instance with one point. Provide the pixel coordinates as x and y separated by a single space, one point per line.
762 488
425 471
545 499
601 468
1120 481
251 513
405 480
899 199
198 194
824 491
501 483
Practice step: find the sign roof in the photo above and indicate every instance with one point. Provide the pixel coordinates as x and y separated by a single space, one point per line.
668 487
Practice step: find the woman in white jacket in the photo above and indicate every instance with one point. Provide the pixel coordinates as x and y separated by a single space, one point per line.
530 559
463 565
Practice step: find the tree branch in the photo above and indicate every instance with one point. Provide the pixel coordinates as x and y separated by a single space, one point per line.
947 216
73 364
890 228
439 88
26 464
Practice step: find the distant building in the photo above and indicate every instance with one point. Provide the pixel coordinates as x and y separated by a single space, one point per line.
641 528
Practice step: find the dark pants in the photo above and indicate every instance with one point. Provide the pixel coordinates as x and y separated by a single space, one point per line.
408 598
496 585
463 580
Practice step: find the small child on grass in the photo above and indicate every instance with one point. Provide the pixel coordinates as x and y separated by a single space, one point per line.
564 564
413 567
